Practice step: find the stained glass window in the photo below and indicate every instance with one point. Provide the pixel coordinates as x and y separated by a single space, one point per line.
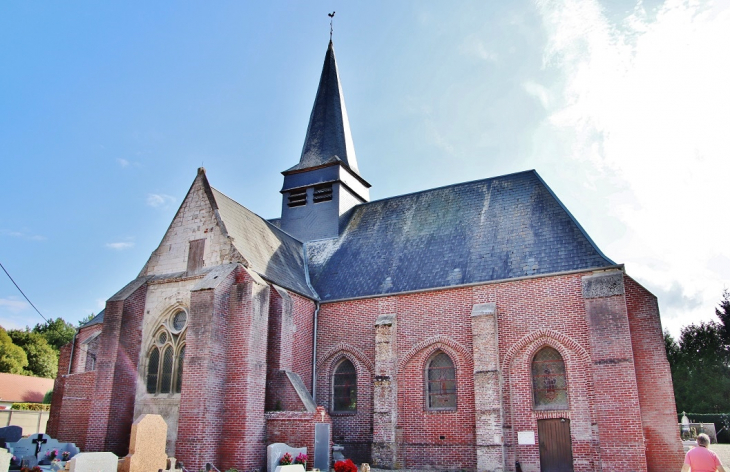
441 384
344 386
153 367
166 357
549 385
179 373
167 364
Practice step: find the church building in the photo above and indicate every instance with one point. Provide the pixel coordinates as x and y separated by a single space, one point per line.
469 327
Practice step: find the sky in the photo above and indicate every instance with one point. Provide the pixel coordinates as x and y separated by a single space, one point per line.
107 109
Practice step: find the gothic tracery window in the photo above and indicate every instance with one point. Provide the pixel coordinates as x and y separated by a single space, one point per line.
344 388
549 385
165 357
441 382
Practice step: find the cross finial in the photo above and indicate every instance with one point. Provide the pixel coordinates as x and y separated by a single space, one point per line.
331 15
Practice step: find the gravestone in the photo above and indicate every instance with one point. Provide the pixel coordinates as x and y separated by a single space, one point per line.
5 457
42 448
10 434
275 451
173 466
146 445
94 462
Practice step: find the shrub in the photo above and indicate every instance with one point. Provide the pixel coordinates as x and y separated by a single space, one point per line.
31 406
345 466
48 397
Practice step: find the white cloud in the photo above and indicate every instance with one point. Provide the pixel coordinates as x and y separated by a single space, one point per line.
160 200
122 162
538 91
120 246
23 235
14 305
646 103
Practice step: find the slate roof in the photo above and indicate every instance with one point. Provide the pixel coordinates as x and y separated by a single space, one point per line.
493 229
269 251
328 138
99 318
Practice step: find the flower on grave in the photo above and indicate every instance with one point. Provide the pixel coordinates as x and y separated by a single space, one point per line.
345 466
65 455
301 459
286 459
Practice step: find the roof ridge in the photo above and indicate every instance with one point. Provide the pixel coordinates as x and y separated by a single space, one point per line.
274 227
448 186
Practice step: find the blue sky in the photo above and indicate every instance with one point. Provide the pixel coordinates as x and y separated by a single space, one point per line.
108 108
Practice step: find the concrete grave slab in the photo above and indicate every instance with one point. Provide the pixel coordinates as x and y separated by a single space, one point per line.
94 462
146 445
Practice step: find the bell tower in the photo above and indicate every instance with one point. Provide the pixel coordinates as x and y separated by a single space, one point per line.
325 183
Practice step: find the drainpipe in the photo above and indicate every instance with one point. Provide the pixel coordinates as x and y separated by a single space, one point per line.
314 355
73 345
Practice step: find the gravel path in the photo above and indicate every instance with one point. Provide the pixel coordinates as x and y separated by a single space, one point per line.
723 452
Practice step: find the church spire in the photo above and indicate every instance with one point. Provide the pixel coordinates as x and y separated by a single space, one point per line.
328 139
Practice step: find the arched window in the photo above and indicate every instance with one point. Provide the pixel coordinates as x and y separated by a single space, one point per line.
164 376
441 382
549 385
344 388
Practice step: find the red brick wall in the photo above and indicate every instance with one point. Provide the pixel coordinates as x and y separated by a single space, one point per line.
348 330
110 421
245 386
203 395
595 343
656 395
74 410
291 333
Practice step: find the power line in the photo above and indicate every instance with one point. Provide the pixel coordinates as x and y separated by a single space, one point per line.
21 291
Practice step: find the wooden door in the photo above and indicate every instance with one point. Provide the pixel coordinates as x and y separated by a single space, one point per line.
556 453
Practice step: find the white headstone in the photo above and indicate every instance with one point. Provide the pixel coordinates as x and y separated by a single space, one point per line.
275 451
94 462
5 457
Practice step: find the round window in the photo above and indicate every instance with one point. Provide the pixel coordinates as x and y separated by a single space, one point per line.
162 338
179 320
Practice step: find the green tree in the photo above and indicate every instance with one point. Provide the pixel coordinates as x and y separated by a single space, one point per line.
42 358
723 313
57 332
700 363
12 357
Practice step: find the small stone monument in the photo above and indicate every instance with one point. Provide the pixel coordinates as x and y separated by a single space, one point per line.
5 457
146 445
93 462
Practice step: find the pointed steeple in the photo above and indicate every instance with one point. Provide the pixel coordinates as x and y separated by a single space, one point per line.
320 190
328 136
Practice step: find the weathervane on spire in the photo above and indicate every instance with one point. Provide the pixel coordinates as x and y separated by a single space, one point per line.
331 15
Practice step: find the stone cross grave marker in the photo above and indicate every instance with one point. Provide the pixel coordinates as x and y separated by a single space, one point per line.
39 442
94 462
146 445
